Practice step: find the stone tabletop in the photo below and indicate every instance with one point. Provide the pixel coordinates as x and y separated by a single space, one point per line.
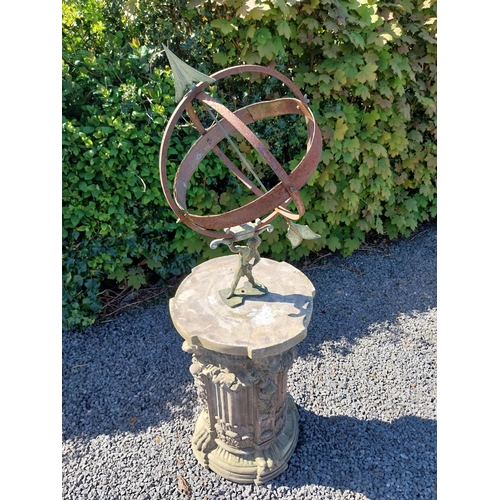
260 326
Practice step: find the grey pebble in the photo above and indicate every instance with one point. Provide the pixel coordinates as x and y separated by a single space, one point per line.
364 382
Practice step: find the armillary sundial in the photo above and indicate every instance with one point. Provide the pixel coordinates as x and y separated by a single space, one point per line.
247 428
251 219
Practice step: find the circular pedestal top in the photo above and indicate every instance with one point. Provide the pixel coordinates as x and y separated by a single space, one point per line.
261 326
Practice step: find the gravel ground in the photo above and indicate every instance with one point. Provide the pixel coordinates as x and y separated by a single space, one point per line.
364 382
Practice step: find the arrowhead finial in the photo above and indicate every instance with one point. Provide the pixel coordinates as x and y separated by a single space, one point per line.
184 75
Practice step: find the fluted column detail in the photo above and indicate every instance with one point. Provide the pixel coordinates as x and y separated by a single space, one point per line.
247 428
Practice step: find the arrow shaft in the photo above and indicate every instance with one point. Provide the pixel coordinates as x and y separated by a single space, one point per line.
236 149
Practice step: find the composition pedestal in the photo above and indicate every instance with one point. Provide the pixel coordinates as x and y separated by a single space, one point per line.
248 427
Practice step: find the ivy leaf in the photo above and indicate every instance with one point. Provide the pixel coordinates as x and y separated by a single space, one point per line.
284 29
251 10
330 186
407 5
371 118
367 73
364 170
262 36
334 243
278 45
356 39
404 108
296 233
371 57
411 205
383 103
426 190
395 67
194 244
118 274
352 198
329 204
224 25
379 150
75 219
362 91
340 129
377 39
323 177
340 78
282 6
331 25
266 50
220 58
427 37
326 88
351 244
251 31
326 157
311 23
135 280
153 264
311 78
329 65
355 185
355 59
383 168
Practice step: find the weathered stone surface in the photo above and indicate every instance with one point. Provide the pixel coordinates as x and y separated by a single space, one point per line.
247 429
261 326
248 426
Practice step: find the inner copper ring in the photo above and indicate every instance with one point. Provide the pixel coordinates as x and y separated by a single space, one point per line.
266 203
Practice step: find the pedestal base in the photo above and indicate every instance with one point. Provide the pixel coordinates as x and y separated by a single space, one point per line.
248 427
257 464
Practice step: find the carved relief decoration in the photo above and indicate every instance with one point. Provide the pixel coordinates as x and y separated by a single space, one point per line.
245 409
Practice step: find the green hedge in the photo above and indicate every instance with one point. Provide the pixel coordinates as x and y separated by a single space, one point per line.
367 67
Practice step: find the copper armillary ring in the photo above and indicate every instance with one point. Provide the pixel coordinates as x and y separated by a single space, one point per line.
270 202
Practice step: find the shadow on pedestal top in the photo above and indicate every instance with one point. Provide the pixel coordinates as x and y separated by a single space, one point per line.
262 326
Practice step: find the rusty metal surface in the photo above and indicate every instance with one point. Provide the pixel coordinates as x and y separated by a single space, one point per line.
271 202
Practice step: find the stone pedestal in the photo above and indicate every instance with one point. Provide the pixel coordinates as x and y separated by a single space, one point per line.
248 426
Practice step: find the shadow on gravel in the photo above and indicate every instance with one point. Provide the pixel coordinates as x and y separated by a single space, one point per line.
389 456
125 376
372 286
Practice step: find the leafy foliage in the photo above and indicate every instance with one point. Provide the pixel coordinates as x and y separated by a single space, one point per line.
368 68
